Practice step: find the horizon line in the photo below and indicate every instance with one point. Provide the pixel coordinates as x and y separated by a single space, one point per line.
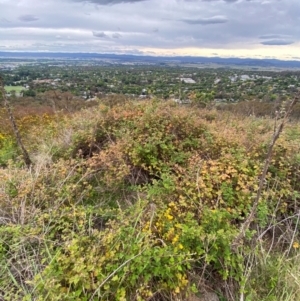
151 55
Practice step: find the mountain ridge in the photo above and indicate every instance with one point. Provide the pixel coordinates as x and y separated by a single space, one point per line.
264 62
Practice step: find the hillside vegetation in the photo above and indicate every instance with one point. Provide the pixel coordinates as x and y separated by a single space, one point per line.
143 200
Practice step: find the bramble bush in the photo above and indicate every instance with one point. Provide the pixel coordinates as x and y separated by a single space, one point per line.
141 201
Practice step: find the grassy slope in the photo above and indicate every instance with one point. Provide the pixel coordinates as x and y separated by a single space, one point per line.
17 89
141 201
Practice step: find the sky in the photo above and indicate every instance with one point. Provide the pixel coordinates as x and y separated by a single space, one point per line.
225 28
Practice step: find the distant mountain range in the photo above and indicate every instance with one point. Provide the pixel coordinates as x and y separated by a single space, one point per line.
122 58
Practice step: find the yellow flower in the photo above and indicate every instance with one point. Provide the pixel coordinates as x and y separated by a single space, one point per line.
175 239
295 245
169 217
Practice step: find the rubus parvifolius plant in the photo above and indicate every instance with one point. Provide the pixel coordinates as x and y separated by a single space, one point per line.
142 201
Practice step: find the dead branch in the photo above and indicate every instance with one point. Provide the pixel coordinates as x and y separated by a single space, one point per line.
277 131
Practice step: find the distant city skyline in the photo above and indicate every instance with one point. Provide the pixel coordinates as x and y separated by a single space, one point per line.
225 28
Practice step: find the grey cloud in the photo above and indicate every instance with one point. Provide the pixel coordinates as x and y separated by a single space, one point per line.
277 42
207 21
274 36
99 34
229 1
116 35
195 25
4 20
28 18
109 2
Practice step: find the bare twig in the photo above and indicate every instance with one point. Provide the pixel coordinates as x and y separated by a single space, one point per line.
294 233
245 226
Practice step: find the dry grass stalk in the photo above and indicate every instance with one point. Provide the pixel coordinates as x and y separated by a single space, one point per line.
277 132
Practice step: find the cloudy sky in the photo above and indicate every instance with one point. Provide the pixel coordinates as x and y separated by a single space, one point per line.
239 28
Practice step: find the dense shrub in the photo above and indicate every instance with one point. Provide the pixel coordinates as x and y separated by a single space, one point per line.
141 201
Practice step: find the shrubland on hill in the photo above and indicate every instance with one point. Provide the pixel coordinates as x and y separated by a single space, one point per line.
143 201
